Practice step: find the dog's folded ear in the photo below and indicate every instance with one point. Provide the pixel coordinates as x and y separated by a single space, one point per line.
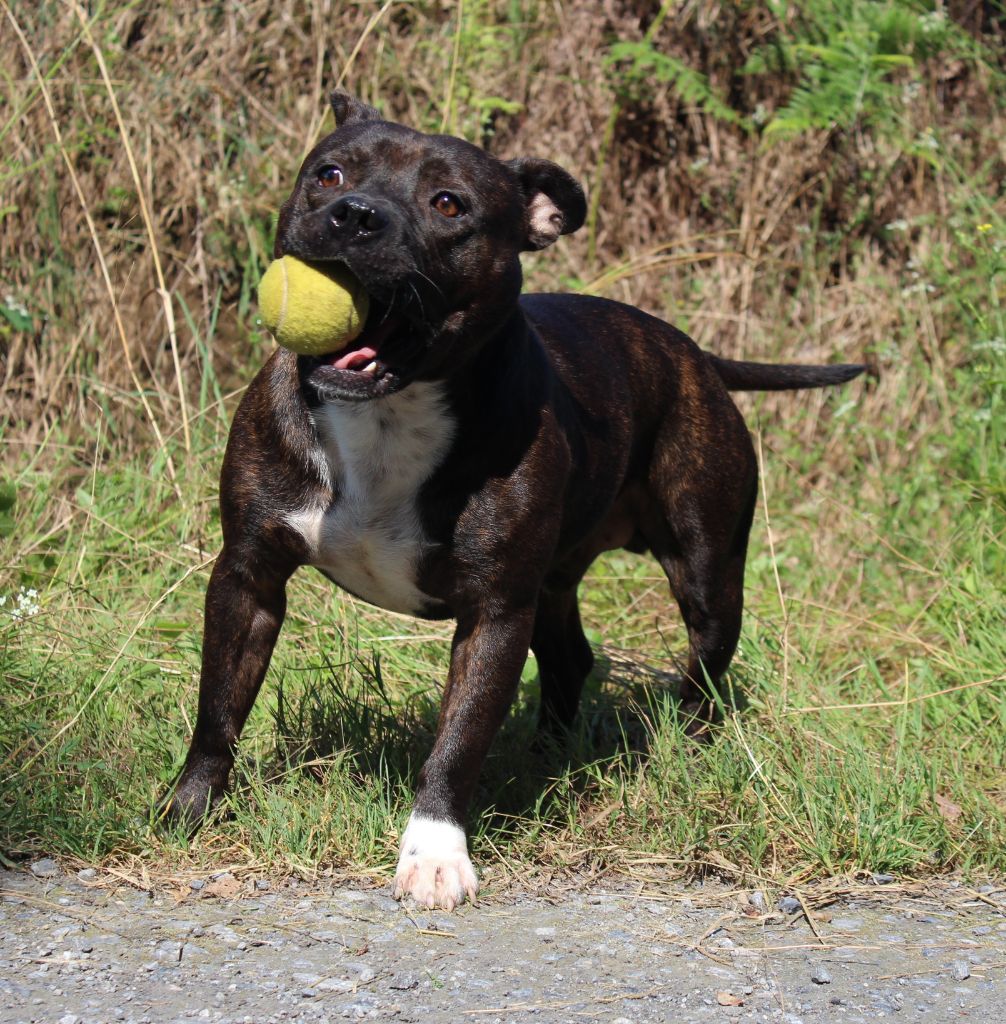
348 108
553 200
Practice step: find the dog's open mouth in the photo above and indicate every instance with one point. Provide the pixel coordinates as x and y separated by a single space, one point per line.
372 365
361 360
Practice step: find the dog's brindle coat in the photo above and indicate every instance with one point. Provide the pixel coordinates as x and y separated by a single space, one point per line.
468 456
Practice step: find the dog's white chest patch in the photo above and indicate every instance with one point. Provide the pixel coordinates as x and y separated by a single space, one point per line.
379 454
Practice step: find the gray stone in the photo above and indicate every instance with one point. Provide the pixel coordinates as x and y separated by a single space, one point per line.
961 970
361 1008
336 985
789 904
45 868
403 982
893 1001
363 972
821 976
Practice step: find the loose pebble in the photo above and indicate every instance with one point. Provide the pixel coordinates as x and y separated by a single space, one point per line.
821 976
961 970
403 982
45 868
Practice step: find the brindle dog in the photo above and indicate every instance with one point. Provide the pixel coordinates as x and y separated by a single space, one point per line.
468 457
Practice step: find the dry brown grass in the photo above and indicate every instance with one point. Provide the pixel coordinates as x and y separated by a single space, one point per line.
147 150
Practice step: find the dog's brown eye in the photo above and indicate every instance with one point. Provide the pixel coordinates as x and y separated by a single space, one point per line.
448 205
330 176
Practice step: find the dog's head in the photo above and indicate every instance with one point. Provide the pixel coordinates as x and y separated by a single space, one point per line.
433 227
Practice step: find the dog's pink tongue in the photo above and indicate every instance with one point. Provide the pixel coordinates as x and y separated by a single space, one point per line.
356 359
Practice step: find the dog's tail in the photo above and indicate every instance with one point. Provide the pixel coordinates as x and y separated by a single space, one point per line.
741 376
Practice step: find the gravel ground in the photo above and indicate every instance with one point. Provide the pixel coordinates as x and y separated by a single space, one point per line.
76 949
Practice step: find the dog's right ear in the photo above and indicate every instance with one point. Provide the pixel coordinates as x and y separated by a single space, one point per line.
348 109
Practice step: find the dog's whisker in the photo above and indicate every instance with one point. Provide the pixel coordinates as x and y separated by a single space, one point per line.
431 283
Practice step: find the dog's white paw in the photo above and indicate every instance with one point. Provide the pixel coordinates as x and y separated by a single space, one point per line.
433 865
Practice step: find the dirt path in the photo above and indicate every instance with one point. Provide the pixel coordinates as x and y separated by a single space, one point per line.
76 951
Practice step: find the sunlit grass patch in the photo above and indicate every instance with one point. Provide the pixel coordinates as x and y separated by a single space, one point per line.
863 721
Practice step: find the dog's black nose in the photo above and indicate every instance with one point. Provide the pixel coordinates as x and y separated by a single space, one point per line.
357 216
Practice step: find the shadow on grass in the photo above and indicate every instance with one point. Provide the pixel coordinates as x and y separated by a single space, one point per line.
387 738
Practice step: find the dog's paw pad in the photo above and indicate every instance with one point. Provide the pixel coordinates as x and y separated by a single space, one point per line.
434 867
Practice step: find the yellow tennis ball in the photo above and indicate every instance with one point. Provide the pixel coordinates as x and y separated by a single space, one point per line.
308 311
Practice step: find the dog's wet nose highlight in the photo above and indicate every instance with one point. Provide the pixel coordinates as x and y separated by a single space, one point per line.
358 216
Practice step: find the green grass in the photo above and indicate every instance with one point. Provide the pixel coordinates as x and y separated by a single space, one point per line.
862 729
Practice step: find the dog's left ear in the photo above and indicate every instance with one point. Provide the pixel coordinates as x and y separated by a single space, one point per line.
348 108
553 200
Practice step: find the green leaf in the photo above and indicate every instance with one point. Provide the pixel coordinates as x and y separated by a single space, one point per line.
16 315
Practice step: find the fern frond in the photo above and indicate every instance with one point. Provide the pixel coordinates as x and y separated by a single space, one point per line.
638 65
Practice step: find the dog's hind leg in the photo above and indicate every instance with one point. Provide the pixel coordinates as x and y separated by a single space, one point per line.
709 592
700 539
564 658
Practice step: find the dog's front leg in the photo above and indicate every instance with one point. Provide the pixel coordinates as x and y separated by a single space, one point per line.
487 656
245 606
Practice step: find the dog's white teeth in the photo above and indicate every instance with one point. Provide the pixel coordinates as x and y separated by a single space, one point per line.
371 368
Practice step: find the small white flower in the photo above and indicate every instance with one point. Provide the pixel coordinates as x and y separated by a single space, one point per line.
919 288
26 604
932 22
